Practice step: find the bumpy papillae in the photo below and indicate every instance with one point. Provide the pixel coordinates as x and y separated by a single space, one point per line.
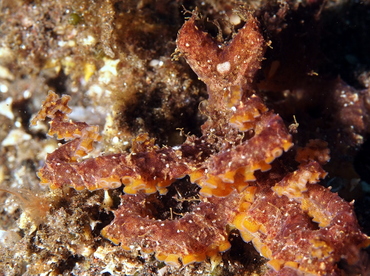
291 222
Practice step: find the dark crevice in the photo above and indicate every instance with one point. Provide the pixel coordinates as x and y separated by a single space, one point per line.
181 198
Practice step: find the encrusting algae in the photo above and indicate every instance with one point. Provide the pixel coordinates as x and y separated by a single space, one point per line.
298 225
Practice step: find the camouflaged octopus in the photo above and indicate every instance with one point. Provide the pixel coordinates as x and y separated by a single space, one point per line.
298 225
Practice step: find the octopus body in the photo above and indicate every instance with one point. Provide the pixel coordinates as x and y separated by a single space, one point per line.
298 225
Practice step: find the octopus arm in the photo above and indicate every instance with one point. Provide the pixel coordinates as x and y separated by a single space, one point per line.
146 168
303 227
197 235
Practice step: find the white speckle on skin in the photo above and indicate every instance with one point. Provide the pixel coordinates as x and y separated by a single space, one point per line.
223 68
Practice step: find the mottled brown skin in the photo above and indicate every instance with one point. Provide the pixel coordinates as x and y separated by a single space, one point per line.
225 87
237 118
192 237
350 109
306 225
278 212
203 54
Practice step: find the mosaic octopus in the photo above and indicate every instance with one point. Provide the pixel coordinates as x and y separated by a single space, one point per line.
298 225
